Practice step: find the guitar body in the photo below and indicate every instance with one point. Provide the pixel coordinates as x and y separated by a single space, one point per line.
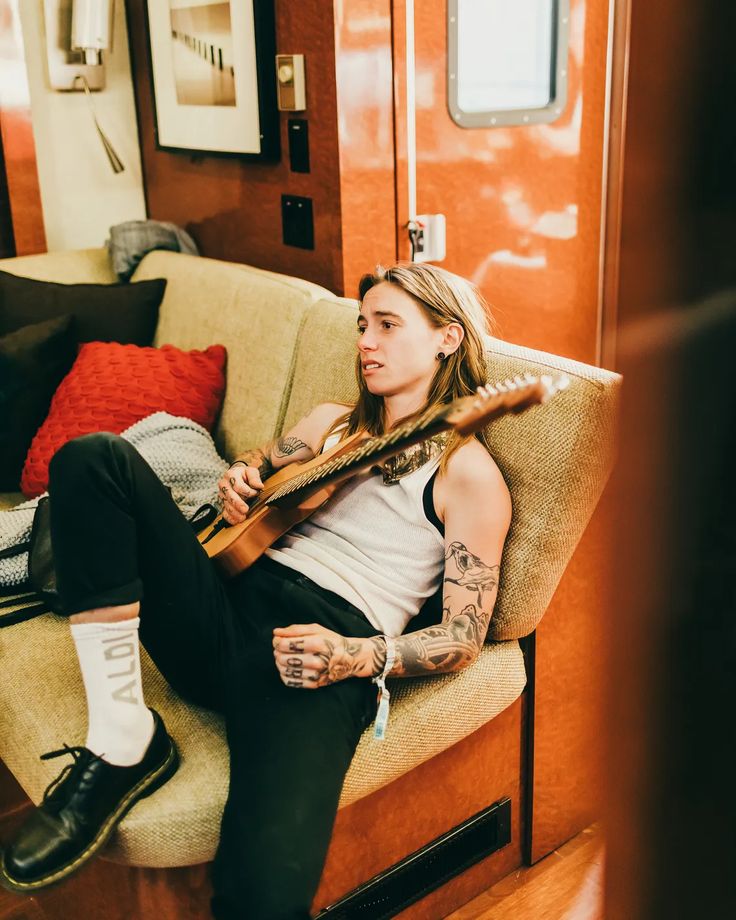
237 547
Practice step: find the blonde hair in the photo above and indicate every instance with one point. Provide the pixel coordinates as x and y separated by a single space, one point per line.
443 298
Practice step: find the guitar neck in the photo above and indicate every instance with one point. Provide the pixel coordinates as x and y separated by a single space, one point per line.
465 415
361 458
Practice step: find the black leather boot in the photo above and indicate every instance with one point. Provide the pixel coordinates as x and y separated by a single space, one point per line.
80 810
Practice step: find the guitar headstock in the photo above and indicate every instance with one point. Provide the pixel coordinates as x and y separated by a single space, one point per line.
471 413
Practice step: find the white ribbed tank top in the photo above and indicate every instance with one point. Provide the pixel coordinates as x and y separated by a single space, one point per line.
373 545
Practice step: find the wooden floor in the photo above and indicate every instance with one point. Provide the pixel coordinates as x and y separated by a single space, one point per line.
566 885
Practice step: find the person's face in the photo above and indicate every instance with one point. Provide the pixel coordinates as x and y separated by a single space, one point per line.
397 344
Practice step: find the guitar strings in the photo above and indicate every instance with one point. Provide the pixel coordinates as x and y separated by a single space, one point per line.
373 446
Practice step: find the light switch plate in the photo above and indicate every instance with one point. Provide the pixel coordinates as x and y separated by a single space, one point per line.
290 82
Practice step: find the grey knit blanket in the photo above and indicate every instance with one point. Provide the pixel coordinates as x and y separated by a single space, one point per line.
181 453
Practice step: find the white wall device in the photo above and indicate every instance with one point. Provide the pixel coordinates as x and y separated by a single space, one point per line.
292 94
78 33
429 238
91 28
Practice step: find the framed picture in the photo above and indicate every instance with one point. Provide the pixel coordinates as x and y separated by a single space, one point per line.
213 76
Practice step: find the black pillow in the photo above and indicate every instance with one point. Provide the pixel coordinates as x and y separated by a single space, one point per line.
33 361
125 313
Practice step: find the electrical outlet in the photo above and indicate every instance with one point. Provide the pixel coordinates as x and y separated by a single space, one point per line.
431 238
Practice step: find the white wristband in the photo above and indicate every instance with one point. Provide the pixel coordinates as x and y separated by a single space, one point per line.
379 731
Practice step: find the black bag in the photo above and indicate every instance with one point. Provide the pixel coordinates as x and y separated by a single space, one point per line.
41 569
42 572
37 594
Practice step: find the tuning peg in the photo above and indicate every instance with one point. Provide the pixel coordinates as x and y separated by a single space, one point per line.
553 385
510 384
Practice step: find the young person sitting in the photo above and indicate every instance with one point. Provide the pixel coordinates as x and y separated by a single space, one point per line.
286 650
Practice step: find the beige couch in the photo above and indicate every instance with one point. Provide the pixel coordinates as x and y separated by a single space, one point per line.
290 345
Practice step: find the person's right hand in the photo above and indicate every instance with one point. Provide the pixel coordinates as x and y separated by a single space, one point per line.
237 484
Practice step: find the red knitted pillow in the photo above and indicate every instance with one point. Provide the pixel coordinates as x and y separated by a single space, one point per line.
111 386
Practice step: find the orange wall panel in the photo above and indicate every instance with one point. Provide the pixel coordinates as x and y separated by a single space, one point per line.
18 145
232 207
366 136
524 217
523 203
678 201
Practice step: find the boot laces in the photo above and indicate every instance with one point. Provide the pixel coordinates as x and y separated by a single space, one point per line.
82 758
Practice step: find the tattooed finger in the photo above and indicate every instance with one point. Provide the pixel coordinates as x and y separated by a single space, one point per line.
296 645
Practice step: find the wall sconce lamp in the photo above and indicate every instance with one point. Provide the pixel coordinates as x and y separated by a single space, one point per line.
78 35
92 29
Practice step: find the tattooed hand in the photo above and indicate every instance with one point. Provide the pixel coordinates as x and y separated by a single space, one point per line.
237 484
311 656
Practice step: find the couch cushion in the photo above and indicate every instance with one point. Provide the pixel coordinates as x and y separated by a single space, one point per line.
555 458
33 361
328 340
44 706
255 314
103 312
112 386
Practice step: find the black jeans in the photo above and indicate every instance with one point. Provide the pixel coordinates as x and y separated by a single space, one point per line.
118 537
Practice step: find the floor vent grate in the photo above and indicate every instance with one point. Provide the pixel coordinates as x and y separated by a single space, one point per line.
392 891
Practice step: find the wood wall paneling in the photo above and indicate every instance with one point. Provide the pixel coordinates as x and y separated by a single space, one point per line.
613 215
523 203
671 659
671 674
7 240
232 207
383 828
16 132
523 208
365 113
568 738
678 200
12 796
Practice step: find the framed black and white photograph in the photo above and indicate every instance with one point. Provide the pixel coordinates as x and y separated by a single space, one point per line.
212 74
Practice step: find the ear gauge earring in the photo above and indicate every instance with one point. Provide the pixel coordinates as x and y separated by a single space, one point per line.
441 356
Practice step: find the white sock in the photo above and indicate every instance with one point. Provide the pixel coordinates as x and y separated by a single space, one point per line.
120 724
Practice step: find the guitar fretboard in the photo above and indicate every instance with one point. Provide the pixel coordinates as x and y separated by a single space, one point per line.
403 435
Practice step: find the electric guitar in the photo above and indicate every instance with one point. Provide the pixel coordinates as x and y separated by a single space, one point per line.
294 492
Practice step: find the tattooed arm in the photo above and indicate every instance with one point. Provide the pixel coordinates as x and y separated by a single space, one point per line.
474 502
245 477
299 443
